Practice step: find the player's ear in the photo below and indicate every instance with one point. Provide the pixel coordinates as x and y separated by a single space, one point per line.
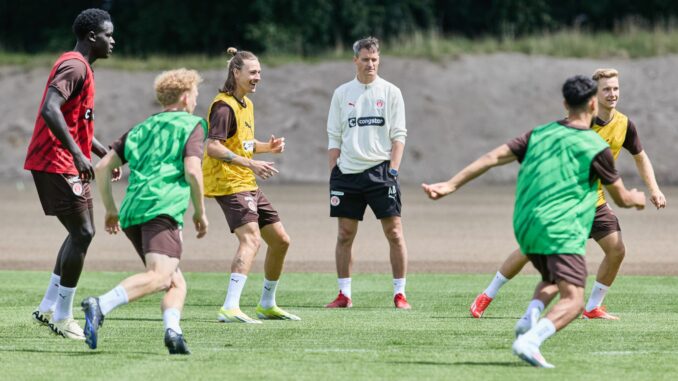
91 36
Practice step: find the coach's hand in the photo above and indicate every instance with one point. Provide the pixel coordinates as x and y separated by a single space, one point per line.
112 222
263 169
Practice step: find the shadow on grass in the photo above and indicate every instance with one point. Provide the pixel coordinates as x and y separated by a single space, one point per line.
467 317
473 363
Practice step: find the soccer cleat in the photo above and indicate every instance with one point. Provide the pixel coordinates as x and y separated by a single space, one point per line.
175 343
529 352
41 318
93 320
274 313
479 305
235 315
528 321
68 328
598 313
342 301
400 302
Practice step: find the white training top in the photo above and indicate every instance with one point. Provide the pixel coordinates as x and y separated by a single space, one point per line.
363 121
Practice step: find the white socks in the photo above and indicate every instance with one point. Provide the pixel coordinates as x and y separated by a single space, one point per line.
540 332
113 299
171 317
399 286
534 303
268 293
597 295
235 287
345 286
64 303
49 300
498 281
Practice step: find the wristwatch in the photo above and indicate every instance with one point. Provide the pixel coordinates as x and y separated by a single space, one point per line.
393 172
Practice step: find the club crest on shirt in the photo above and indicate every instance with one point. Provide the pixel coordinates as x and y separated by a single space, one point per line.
379 103
248 145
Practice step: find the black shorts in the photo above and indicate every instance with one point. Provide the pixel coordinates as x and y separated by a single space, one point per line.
160 235
351 193
62 194
604 223
570 268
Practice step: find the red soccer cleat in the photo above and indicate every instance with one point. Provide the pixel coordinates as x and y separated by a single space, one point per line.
479 305
598 313
342 301
400 302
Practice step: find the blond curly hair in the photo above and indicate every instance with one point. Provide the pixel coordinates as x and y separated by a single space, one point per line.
604 73
172 84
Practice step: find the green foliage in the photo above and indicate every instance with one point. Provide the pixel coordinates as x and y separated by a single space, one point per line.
437 340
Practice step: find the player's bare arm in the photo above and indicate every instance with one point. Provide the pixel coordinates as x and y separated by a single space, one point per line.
626 198
101 151
104 172
51 112
263 169
498 156
646 172
274 145
193 176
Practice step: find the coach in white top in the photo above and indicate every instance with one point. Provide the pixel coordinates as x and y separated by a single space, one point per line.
366 130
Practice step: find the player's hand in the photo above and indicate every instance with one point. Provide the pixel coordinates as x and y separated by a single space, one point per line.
200 222
263 169
116 174
276 145
112 222
638 198
84 167
436 191
657 199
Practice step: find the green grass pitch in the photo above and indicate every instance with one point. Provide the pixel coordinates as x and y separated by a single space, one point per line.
371 341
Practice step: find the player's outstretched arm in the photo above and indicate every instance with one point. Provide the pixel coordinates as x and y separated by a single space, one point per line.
193 176
104 172
101 151
263 169
498 156
274 145
624 197
646 171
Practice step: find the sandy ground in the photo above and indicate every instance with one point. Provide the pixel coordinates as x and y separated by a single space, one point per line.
456 109
467 232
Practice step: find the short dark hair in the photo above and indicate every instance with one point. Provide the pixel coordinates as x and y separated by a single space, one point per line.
89 20
578 90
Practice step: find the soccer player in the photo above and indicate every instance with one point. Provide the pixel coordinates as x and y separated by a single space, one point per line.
164 155
59 158
561 165
366 129
618 131
230 178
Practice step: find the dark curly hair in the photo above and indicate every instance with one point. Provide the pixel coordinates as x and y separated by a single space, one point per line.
578 90
89 20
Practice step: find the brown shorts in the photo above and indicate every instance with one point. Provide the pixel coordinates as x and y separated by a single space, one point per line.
160 235
245 207
570 268
605 223
62 194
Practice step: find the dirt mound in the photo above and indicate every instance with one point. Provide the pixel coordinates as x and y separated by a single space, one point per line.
456 109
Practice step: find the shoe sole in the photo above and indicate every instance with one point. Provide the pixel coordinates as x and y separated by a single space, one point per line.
90 332
236 319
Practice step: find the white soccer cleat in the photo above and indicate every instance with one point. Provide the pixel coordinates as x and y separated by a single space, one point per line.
529 352
68 328
41 318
